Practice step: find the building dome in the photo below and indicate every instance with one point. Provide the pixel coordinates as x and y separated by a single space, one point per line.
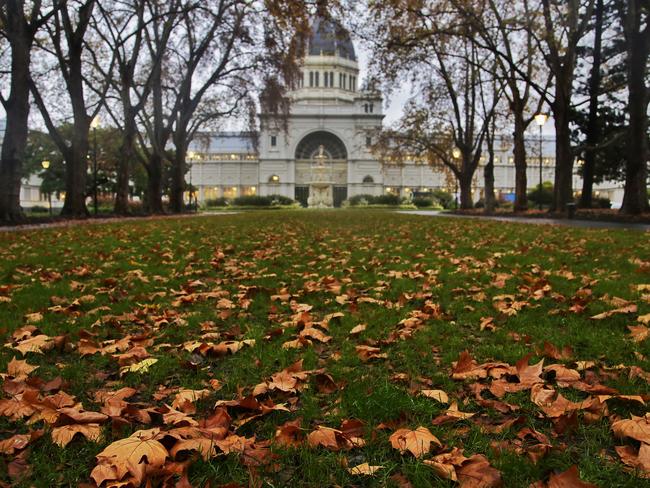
329 38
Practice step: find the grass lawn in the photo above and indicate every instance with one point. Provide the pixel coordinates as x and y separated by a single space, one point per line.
199 325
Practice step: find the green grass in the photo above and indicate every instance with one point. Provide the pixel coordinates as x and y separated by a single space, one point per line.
136 269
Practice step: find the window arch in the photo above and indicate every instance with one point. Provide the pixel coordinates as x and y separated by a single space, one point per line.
368 179
333 147
274 179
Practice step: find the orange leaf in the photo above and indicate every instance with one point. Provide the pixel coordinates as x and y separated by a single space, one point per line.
637 428
63 435
417 442
568 479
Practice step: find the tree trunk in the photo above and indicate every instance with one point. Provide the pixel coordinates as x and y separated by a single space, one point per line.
563 187
154 184
488 178
127 154
593 126
519 153
76 159
465 185
17 113
76 171
635 198
176 200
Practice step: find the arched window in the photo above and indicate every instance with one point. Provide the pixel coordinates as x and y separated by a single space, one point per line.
274 179
368 179
333 147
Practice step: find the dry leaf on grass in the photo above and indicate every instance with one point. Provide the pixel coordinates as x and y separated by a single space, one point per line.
62 436
134 455
364 470
437 395
417 442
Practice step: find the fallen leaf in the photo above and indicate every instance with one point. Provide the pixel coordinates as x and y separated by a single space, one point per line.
63 435
136 455
417 442
364 470
638 333
437 395
141 367
568 479
637 428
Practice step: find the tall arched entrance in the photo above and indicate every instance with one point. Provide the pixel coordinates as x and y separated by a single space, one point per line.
321 163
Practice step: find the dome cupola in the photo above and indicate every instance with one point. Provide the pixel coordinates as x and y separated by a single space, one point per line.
330 38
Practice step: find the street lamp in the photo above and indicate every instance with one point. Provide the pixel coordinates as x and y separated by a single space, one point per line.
93 125
540 119
190 156
455 152
45 165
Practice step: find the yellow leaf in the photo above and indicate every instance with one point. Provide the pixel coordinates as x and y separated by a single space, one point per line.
364 470
437 395
141 367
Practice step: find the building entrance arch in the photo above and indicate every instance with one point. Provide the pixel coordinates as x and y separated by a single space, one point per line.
321 165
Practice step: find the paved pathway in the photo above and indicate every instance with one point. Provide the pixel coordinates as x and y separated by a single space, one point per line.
91 221
539 221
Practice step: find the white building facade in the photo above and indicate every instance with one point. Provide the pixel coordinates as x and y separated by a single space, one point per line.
323 151
321 156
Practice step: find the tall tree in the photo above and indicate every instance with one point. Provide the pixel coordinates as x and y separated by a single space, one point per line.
636 26
120 25
19 23
67 45
565 22
506 30
445 119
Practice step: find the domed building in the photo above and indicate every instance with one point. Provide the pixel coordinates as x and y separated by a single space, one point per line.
321 155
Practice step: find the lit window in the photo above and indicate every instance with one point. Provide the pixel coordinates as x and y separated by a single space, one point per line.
274 179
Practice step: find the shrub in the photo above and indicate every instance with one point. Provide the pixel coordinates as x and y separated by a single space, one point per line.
386 199
252 201
280 200
39 209
444 198
217 202
545 196
422 202
601 202
360 200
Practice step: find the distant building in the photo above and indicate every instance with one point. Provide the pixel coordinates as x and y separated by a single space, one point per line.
323 156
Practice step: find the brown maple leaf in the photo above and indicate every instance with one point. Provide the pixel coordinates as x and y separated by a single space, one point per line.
63 435
135 455
417 442
637 428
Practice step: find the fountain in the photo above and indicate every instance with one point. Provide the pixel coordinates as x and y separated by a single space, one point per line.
320 186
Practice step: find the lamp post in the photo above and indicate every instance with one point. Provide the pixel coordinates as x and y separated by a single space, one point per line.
190 156
540 119
45 165
456 155
94 124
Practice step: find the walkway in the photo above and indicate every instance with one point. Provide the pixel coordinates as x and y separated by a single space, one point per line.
585 224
